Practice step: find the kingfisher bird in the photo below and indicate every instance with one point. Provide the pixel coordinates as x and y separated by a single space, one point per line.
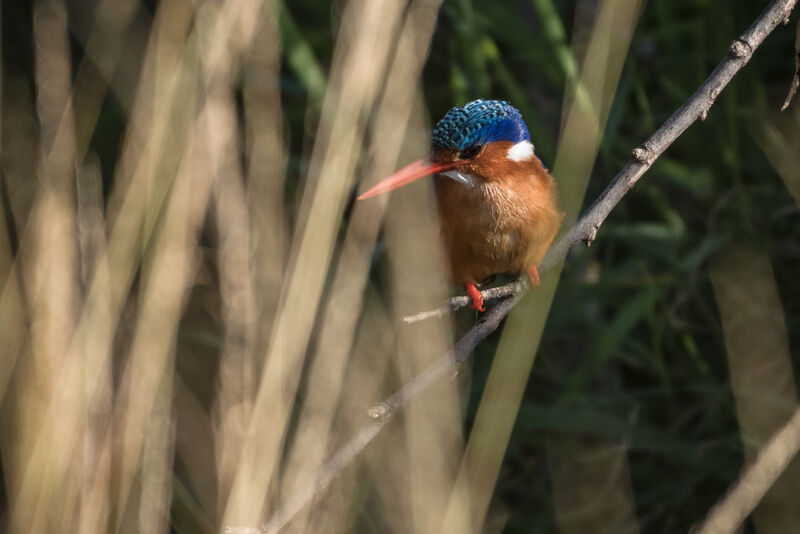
498 205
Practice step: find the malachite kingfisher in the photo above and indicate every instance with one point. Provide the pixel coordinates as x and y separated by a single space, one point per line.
498 205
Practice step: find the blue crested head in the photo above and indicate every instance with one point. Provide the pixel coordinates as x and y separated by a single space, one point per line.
478 123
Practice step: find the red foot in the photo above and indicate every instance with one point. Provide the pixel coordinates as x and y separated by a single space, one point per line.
533 274
477 298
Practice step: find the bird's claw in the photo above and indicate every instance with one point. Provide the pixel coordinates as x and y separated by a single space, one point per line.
477 298
533 274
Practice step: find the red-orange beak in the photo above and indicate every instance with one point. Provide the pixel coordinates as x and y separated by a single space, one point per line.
406 175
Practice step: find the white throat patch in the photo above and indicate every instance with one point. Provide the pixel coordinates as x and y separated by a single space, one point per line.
522 151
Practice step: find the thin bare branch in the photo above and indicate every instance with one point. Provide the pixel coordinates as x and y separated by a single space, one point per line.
499 292
584 231
796 80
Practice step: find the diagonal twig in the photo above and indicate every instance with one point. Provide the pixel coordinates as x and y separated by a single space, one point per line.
796 80
455 303
584 231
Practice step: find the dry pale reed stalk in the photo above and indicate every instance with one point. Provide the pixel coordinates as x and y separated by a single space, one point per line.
359 60
97 325
337 510
49 257
102 49
98 321
251 230
261 204
224 32
237 367
95 486
343 308
154 117
266 161
760 365
156 471
112 280
152 122
514 358
432 429
146 384
62 152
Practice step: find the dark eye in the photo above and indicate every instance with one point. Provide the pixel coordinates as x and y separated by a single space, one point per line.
470 152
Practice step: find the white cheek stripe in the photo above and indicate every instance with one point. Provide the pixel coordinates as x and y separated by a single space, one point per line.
522 151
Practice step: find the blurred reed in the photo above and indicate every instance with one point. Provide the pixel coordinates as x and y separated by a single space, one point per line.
50 279
339 319
251 241
359 60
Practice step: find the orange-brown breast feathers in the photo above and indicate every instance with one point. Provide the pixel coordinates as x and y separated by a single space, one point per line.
504 222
